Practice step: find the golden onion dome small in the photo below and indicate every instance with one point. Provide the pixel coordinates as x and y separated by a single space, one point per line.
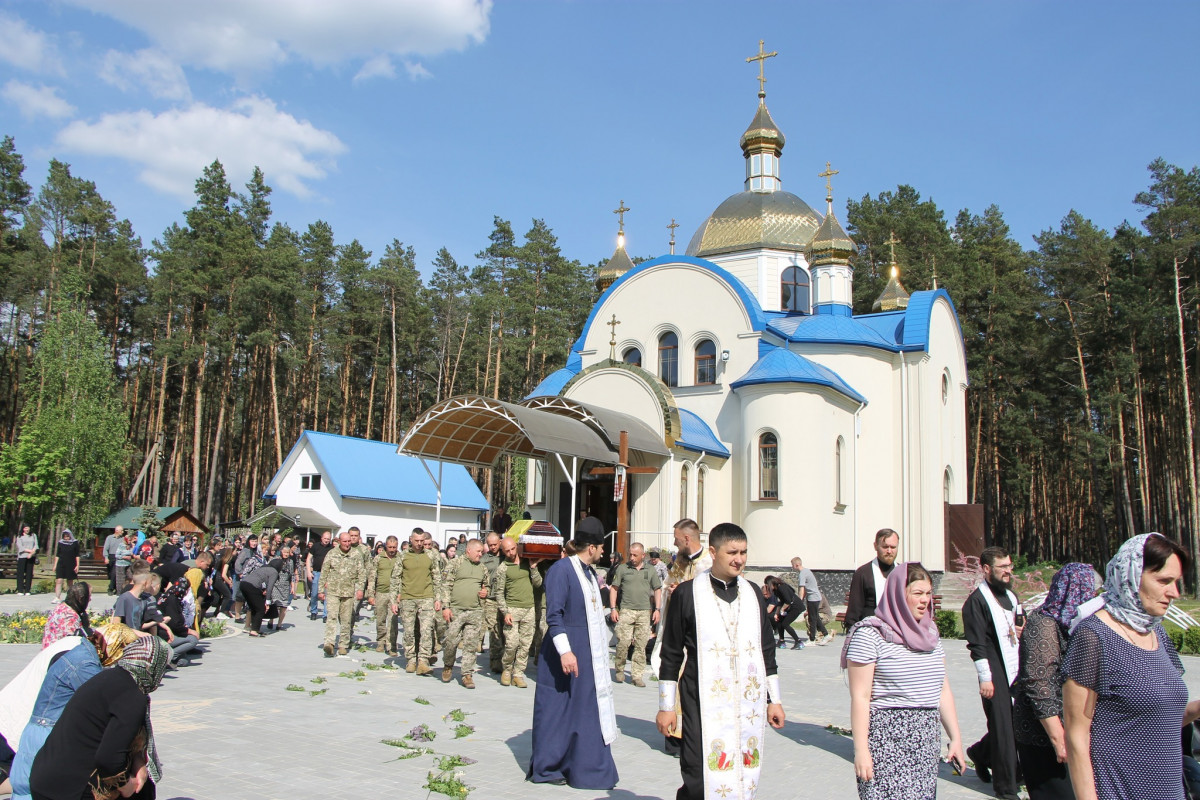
754 221
615 267
830 244
763 132
893 297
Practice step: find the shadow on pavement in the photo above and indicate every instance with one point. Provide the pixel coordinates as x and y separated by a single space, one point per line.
521 746
641 729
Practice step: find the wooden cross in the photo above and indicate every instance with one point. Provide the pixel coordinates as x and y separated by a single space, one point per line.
623 507
672 228
891 242
620 212
761 58
828 175
612 342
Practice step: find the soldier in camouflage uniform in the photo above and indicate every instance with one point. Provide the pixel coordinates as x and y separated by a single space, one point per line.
414 581
463 585
513 587
491 611
439 624
364 552
342 577
379 595
641 590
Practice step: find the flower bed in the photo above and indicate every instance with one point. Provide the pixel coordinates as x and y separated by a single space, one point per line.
22 627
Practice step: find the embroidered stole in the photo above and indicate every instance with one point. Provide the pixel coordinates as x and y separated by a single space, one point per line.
598 644
733 689
880 581
1006 630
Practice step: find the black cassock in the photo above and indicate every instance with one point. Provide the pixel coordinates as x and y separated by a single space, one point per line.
679 636
997 750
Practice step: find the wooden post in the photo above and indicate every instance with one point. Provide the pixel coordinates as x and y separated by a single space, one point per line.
622 542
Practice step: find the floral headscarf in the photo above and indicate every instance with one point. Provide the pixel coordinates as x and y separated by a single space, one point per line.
894 619
114 638
1071 587
1122 589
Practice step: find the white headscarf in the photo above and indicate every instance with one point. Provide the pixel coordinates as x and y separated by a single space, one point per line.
1122 589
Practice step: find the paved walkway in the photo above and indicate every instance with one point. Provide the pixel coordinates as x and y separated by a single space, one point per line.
228 728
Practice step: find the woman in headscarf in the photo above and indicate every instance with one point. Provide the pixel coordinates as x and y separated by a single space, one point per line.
178 609
69 616
281 592
1037 694
104 741
66 674
257 588
66 562
899 692
1124 700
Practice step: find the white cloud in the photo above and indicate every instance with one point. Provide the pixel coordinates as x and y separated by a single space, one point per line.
416 70
150 69
239 37
377 67
36 101
24 47
172 148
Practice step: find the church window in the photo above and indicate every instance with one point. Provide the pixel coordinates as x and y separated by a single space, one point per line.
794 290
668 358
683 489
947 485
945 386
701 474
839 474
768 467
633 356
706 362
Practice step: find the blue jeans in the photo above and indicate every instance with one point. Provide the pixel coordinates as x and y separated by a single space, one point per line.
312 596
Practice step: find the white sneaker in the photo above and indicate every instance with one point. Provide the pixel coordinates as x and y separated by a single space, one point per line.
222 615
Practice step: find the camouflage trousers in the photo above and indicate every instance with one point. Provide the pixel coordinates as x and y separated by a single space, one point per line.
518 639
413 613
493 625
466 629
385 623
340 619
633 627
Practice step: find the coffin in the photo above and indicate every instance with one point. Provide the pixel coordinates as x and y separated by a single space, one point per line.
540 540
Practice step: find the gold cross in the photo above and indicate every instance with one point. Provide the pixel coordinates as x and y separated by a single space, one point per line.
761 58
620 212
892 241
672 228
828 175
612 342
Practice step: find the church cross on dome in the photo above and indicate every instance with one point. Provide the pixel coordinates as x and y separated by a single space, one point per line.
761 58
891 242
620 212
612 342
672 228
828 176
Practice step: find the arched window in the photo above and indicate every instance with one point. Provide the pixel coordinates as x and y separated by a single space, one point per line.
701 473
794 290
768 467
706 362
947 485
633 356
668 358
945 386
839 475
683 487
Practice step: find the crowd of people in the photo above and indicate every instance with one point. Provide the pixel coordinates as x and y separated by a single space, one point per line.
1082 694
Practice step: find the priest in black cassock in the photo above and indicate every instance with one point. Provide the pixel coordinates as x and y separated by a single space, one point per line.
574 718
718 632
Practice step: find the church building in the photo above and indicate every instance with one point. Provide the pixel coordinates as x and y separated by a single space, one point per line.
777 407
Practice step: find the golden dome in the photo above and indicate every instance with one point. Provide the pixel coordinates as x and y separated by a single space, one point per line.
893 296
756 220
618 265
830 244
763 132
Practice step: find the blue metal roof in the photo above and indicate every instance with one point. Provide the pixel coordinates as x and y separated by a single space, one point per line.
914 332
783 366
749 301
553 383
698 436
894 331
368 470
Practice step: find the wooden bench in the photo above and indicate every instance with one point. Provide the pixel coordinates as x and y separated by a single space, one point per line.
841 615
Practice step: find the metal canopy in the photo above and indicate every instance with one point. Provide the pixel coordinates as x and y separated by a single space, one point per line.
475 430
606 422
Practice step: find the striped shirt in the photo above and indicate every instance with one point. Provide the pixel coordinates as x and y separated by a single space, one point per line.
904 678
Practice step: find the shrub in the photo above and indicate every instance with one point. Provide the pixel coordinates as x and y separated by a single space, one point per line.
1176 639
947 624
1191 641
43 586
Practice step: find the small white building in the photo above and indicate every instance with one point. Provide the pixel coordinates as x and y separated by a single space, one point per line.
331 482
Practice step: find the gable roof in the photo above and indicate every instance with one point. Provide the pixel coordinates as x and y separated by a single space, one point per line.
128 517
368 470
783 366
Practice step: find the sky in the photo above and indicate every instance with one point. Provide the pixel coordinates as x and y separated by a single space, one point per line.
421 120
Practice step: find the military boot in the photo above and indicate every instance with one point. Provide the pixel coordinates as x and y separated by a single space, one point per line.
410 666
328 650
423 667
467 681
506 678
518 680
447 674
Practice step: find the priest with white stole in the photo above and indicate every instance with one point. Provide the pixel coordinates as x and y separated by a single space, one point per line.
574 717
728 690
869 581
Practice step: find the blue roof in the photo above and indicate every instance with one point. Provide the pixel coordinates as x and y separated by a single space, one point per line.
749 301
895 331
698 436
553 383
783 366
369 470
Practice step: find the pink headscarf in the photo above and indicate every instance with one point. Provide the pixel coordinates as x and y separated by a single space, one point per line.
894 619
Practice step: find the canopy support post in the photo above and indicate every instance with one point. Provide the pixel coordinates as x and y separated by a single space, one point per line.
437 518
571 482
